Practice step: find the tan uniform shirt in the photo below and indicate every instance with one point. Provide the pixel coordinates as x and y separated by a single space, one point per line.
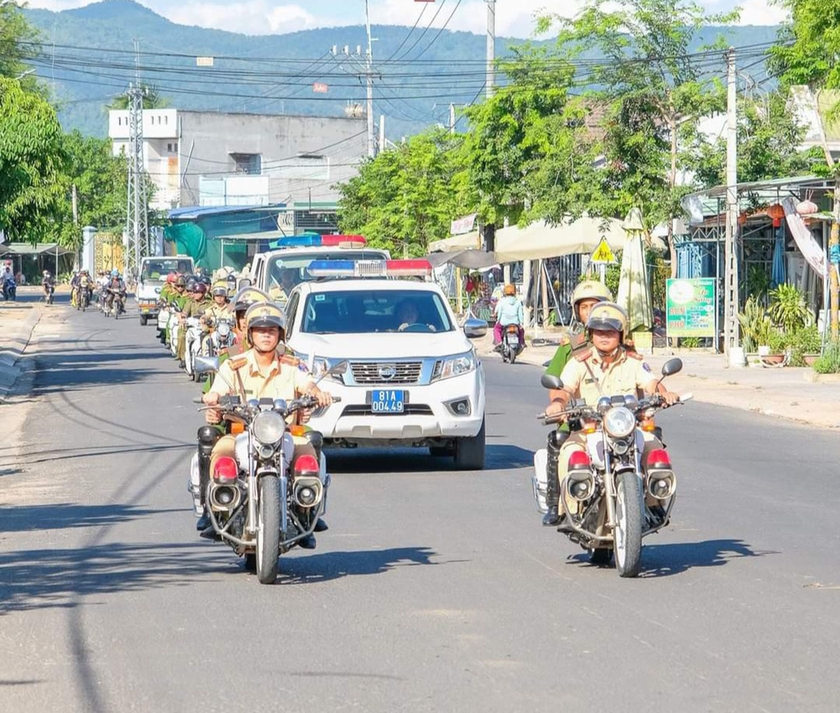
286 377
215 312
588 377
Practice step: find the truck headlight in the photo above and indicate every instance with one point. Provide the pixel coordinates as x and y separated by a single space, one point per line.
457 365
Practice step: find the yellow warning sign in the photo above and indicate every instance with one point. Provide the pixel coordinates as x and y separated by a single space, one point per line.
602 254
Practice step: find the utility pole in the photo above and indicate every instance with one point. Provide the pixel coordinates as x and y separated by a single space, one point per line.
730 310
369 73
137 218
452 119
74 202
491 47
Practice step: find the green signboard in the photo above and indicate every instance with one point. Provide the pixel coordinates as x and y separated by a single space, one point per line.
691 308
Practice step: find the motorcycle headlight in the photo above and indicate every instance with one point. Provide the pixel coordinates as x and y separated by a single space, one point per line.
619 422
268 427
457 365
223 329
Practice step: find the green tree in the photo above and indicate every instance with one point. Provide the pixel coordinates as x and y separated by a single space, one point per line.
406 197
32 160
100 181
807 55
648 87
18 42
513 131
769 138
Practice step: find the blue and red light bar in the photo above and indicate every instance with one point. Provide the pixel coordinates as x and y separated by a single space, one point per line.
370 268
320 241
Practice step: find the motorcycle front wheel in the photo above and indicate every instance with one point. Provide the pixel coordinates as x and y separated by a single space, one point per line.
268 533
628 527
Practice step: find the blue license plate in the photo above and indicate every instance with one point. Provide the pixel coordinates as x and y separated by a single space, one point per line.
388 401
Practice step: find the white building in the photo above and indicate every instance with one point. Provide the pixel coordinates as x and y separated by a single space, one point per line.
216 159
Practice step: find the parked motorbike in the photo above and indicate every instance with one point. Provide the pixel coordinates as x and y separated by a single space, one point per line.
260 502
611 500
9 289
511 346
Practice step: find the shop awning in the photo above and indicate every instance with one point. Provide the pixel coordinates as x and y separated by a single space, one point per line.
36 249
540 240
455 243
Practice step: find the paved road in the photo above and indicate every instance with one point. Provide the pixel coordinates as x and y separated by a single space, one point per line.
433 591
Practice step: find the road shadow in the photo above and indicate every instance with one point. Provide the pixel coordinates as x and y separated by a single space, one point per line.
25 518
419 460
40 579
53 454
665 560
49 379
311 569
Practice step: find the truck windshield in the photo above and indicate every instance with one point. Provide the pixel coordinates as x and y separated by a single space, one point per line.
156 270
369 311
286 272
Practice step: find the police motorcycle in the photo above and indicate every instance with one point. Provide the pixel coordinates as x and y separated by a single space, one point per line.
174 327
260 503
511 346
611 501
222 337
162 320
194 335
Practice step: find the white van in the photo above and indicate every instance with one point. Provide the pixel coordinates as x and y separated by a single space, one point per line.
153 272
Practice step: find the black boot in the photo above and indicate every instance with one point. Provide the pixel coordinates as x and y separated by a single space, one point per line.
552 495
308 542
321 525
204 521
207 437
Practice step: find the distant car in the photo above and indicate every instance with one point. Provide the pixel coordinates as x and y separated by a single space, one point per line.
413 378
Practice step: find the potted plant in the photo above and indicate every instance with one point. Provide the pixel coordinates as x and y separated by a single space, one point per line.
805 345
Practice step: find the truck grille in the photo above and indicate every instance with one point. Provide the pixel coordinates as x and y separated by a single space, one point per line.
404 372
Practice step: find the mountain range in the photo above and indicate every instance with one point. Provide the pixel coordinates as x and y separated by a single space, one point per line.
91 54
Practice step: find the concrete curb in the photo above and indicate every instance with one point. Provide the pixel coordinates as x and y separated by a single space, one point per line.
18 341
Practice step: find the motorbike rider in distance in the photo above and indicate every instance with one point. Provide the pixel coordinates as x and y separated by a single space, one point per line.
509 310
608 368
47 284
264 371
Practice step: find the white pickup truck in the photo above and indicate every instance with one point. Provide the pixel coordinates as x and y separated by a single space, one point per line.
153 272
278 271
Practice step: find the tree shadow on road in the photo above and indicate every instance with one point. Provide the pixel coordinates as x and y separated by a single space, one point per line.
60 516
40 579
665 560
311 569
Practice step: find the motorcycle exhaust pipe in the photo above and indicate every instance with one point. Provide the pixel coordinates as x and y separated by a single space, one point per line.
307 491
224 498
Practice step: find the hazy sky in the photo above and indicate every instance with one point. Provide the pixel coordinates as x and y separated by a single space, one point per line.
514 18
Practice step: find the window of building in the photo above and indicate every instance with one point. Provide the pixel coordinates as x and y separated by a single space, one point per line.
250 163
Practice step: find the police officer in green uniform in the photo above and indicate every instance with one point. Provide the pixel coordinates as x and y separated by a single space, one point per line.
586 295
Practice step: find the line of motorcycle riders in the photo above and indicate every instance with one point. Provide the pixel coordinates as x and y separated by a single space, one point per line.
107 292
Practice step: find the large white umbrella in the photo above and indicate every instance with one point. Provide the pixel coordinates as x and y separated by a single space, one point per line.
633 287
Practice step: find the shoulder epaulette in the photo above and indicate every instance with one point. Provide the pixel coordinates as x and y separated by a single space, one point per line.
290 360
634 355
578 342
583 356
237 362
